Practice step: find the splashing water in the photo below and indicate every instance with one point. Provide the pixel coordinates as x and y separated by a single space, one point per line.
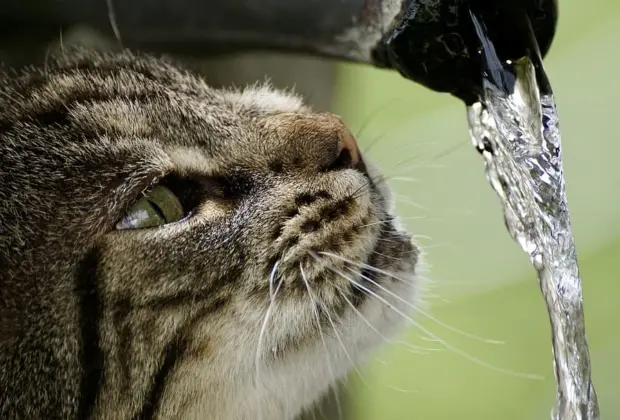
518 136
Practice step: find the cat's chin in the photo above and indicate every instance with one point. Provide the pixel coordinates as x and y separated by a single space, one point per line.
303 375
299 379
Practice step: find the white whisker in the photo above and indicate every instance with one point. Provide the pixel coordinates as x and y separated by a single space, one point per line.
397 165
386 240
434 338
389 221
402 390
415 349
439 245
448 151
429 316
268 312
439 298
409 304
373 294
344 349
405 199
403 178
414 158
407 169
441 341
376 138
271 278
373 115
112 19
318 324
361 190
385 256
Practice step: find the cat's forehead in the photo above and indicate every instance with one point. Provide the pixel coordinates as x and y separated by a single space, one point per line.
120 99
86 76
264 99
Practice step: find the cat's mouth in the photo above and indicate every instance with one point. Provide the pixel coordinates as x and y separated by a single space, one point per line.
358 265
324 287
392 253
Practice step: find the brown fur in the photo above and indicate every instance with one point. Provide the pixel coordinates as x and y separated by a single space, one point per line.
164 322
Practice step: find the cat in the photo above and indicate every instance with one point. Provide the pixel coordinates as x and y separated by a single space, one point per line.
169 250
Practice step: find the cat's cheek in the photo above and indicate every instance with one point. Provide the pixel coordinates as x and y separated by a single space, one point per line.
391 319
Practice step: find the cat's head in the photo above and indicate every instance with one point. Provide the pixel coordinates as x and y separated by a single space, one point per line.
197 249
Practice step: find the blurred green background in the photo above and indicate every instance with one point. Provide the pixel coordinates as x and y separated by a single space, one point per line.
479 279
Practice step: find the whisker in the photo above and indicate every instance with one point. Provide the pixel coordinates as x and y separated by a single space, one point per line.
271 279
368 292
374 115
428 296
416 349
318 324
375 139
383 222
417 157
373 294
370 266
268 312
399 170
385 255
429 316
403 178
344 349
60 41
360 188
386 240
378 178
445 343
405 199
409 304
439 245
448 151
113 23
402 390
401 162
372 327
420 166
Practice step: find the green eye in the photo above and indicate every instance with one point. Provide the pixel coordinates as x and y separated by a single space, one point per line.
158 207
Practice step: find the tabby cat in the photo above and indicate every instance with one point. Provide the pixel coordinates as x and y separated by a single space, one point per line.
173 251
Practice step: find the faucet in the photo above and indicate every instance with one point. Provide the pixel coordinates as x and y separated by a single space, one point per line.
431 42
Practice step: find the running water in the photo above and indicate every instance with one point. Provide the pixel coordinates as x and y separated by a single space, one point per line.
517 134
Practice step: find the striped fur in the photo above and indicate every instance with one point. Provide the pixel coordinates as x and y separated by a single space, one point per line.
164 323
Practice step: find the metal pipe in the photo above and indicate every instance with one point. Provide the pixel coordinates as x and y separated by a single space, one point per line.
343 29
428 41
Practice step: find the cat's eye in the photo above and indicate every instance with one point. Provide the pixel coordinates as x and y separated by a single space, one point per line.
177 197
158 207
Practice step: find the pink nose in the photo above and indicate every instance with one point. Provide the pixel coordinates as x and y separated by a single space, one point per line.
348 151
316 141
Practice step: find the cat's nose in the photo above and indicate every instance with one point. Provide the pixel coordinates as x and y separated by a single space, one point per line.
316 141
348 155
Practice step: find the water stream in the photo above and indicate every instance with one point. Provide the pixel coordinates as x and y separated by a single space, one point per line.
516 131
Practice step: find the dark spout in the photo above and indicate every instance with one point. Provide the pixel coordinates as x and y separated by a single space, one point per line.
431 42
436 42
